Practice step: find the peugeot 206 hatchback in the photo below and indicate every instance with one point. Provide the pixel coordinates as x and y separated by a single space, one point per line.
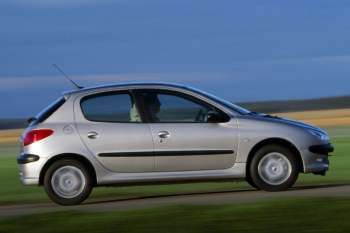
157 132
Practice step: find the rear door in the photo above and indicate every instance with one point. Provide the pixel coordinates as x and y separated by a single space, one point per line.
112 128
184 139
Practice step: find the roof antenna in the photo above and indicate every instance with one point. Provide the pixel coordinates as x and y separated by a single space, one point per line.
66 76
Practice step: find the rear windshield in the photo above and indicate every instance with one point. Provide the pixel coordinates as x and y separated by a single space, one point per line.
48 111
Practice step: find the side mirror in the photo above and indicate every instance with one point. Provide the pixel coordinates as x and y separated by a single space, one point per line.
215 117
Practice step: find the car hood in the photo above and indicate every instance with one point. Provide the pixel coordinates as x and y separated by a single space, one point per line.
281 120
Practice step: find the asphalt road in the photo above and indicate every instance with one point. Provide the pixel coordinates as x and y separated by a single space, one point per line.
212 198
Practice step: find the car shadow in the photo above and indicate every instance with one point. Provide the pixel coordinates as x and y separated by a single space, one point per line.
297 188
318 186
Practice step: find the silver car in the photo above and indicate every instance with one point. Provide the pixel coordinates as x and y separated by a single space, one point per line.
156 132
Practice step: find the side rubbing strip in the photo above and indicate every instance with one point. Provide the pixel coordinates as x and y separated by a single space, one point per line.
166 153
192 152
127 154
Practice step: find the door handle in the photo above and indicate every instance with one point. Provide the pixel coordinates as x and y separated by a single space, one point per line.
163 134
92 135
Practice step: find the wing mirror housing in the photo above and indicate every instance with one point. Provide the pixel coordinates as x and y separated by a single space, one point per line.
216 117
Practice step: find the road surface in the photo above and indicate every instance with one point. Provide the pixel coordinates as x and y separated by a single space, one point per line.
210 198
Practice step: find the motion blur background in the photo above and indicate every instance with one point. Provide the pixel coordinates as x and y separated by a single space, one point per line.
290 58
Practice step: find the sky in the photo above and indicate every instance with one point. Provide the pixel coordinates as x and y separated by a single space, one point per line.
239 50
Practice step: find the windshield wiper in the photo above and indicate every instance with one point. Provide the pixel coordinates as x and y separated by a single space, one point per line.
253 113
263 115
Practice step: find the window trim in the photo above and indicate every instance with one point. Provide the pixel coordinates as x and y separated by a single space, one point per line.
118 92
180 94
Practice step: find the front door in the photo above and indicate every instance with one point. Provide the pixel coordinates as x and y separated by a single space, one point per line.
112 129
184 139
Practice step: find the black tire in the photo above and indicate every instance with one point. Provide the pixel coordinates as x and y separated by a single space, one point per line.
251 183
290 177
84 191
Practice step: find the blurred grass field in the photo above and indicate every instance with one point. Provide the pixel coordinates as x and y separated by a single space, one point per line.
322 118
315 215
9 137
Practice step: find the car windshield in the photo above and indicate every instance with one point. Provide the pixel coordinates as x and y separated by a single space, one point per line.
223 102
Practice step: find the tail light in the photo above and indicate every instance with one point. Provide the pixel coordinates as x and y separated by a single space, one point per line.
36 135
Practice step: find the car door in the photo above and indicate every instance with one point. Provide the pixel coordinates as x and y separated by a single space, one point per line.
183 138
112 128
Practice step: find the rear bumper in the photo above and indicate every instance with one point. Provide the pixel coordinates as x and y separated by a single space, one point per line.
27 158
316 160
29 169
29 181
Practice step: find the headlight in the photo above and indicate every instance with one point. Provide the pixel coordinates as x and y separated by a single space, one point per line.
322 136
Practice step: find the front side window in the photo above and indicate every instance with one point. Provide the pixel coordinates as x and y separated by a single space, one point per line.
110 107
163 107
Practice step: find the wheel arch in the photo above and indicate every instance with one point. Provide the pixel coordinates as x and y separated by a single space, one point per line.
275 141
73 156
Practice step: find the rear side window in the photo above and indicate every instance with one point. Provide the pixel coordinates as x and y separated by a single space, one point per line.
110 107
47 112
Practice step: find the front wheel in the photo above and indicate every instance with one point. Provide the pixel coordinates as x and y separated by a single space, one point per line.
274 168
67 182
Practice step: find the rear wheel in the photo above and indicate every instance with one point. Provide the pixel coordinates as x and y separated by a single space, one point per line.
67 182
274 168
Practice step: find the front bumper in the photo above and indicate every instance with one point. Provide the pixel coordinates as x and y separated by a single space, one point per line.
324 149
315 158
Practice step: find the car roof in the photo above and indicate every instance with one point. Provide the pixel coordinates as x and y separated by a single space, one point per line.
127 85
139 85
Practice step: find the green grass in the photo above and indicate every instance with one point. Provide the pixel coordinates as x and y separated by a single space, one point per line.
284 215
12 191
